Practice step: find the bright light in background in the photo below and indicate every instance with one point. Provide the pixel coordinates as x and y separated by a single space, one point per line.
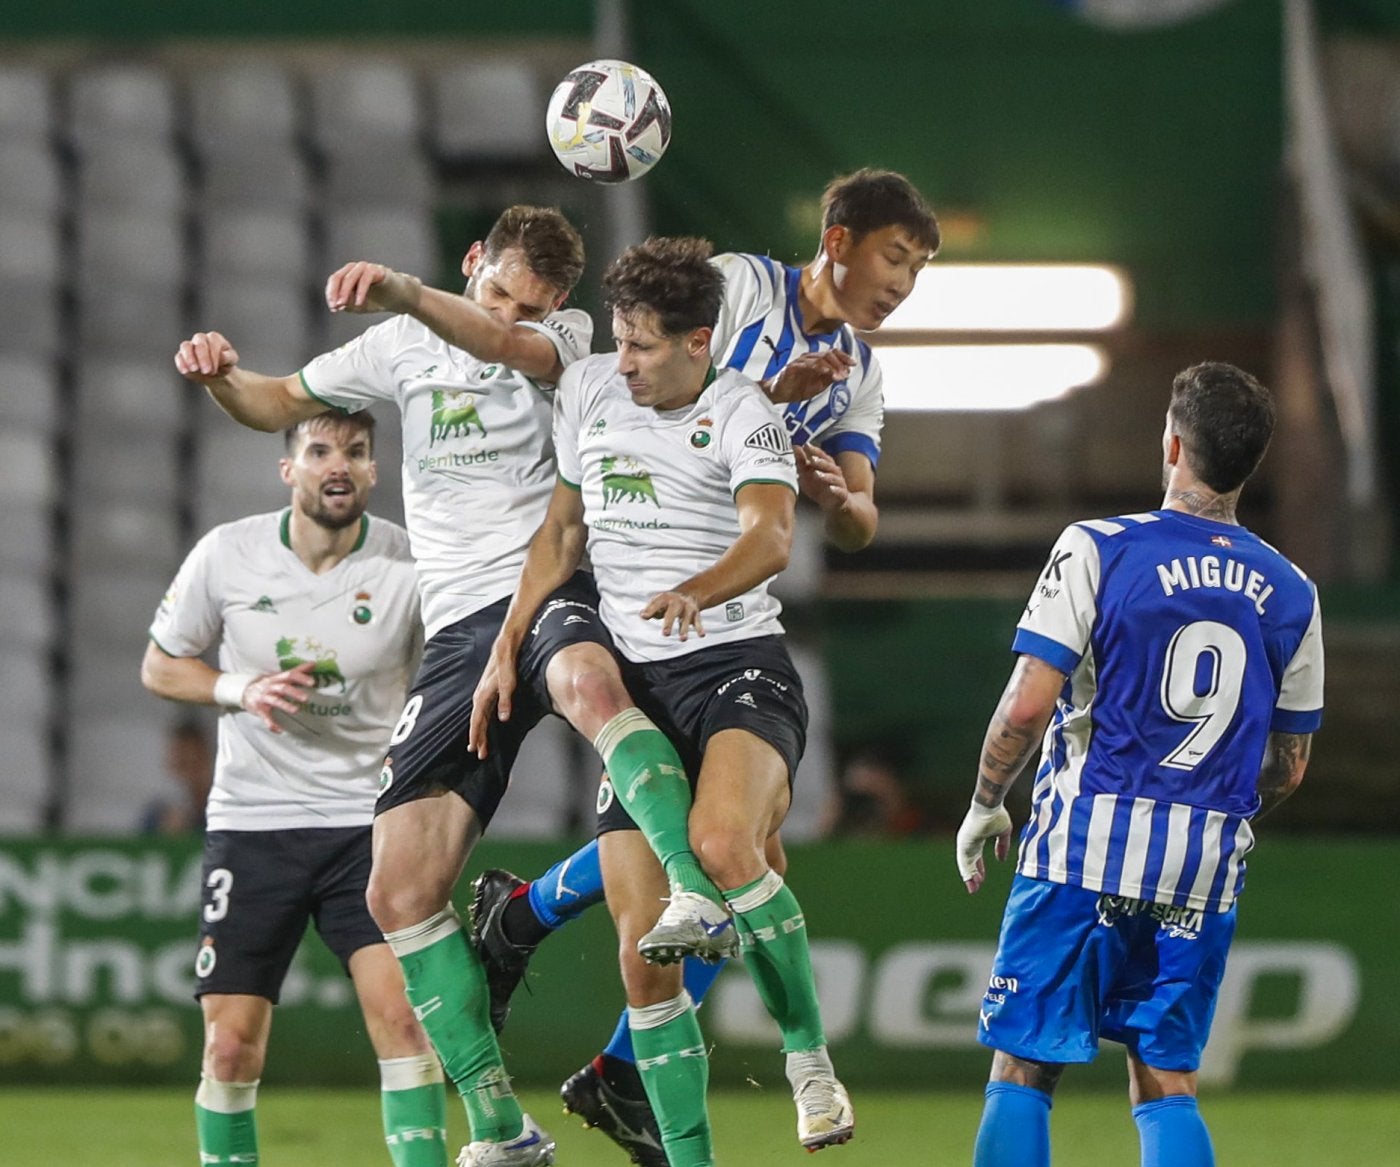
985 376
1015 297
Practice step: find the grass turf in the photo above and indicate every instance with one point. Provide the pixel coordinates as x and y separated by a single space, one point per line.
320 1128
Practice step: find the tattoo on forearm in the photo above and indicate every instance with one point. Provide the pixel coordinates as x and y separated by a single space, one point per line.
1284 761
1004 753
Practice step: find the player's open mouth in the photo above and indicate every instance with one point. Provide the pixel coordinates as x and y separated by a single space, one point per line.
338 489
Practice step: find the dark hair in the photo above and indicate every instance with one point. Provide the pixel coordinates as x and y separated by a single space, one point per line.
672 278
1225 419
871 199
553 249
363 420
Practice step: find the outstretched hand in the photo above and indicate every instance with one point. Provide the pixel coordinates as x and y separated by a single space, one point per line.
206 356
980 824
371 287
286 691
807 375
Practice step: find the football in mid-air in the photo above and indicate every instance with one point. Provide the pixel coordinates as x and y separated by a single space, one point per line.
608 121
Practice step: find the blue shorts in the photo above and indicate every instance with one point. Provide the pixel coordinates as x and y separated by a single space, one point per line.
1073 965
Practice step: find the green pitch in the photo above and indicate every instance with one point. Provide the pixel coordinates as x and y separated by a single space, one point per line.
310 1128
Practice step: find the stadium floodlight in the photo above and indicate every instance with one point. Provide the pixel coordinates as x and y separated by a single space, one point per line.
1014 297
976 377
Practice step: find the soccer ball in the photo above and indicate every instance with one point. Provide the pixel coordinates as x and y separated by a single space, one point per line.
608 121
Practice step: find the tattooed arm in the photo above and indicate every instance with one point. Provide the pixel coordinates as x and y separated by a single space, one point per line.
1012 736
1285 758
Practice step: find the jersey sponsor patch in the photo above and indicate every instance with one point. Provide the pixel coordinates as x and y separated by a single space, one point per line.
769 437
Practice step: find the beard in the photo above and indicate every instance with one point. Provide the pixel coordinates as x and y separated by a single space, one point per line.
334 512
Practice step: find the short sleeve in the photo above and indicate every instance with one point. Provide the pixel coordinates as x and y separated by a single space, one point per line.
359 372
1059 616
571 332
568 409
859 428
1299 708
756 443
189 620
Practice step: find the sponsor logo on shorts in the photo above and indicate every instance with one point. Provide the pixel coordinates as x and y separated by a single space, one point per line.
562 605
997 989
206 958
1179 922
605 795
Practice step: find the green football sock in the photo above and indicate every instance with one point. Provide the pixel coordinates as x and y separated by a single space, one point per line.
675 1070
773 936
446 986
223 1116
649 780
414 1105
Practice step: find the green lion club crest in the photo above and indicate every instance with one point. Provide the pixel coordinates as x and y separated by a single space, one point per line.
454 415
627 480
325 672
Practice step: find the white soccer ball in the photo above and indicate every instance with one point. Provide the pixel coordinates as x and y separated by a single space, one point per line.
608 121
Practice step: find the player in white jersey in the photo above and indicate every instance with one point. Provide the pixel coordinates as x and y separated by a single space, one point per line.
477 469
681 483
315 614
1173 662
794 330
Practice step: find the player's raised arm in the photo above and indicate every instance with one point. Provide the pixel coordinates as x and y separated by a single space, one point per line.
554 553
760 552
253 399
372 287
1015 730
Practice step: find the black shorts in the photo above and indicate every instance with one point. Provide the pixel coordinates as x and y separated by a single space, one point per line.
748 684
428 750
259 890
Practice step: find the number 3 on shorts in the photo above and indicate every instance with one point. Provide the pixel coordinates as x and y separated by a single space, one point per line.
219 883
407 719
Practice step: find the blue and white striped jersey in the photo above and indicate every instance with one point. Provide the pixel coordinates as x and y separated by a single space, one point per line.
760 330
1185 642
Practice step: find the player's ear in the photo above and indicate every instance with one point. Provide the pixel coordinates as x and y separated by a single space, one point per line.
472 258
284 470
373 473
698 341
836 243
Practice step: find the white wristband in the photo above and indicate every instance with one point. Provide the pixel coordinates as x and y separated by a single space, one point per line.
230 687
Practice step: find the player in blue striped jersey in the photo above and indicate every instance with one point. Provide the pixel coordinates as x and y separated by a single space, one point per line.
1172 663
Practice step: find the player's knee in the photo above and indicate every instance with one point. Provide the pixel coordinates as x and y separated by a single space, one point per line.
729 856
1043 1076
232 1056
589 690
396 906
643 982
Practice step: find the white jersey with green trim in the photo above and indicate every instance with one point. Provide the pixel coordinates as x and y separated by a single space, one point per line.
244 588
478 465
658 494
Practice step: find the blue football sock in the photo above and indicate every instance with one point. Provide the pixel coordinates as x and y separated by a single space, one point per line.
1173 1133
698 976
1015 1130
568 888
